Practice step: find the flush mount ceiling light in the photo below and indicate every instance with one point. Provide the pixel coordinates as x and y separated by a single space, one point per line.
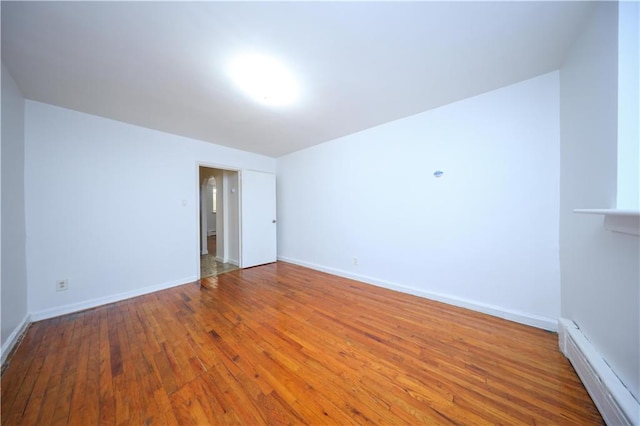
264 79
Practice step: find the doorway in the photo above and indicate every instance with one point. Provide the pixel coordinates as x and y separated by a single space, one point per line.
219 221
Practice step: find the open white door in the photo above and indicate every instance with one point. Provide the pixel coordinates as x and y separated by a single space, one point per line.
258 212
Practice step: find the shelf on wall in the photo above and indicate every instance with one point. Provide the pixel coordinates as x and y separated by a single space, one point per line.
625 221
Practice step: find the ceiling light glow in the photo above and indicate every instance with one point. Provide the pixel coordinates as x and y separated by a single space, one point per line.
264 79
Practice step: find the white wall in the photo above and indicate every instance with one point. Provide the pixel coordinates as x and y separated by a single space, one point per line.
220 217
233 216
97 193
211 216
227 235
628 188
211 222
14 269
485 235
600 270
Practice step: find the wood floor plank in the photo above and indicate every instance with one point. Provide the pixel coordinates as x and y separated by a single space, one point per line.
282 344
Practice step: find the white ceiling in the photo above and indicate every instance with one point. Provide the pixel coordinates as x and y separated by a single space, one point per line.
161 65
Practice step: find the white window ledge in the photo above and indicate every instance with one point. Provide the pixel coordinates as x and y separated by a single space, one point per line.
617 220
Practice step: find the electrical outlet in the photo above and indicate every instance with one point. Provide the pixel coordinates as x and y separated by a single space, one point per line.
355 261
62 285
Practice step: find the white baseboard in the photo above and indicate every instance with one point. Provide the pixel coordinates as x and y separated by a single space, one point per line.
14 338
614 401
234 262
88 304
537 321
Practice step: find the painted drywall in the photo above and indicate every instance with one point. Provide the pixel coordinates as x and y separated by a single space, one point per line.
207 204
485 234
211 215
220 218
628 187
14 266
227 217
233 215
599 269
111 207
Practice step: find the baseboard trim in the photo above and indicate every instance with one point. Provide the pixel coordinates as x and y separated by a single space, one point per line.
14 338
93 303
614 401
234 262
533 320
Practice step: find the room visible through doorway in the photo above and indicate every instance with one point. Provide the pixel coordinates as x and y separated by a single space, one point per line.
219 222
209 266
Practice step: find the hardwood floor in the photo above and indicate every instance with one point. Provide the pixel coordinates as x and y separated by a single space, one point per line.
283 344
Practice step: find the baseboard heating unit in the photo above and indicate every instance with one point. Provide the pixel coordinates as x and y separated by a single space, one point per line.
614 401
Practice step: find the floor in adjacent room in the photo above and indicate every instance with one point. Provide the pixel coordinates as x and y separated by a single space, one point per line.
209 266
281 344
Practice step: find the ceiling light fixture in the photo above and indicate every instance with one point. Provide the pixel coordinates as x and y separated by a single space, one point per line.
264 79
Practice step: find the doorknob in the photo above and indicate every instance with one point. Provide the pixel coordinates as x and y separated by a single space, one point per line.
273 221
